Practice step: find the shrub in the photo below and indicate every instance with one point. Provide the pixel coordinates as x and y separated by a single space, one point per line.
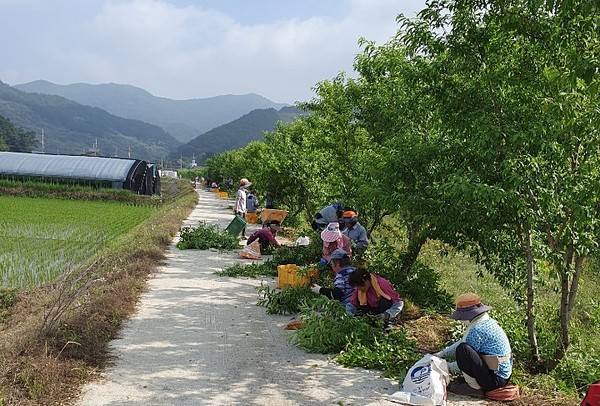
286 301
393 354
421 284
251 270
579 368
8 297
328 328
310 254
514 324
206 236
302 256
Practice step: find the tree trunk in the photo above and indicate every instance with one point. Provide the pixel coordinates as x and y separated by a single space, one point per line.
416 239
535 353
569 278
575 281
376 222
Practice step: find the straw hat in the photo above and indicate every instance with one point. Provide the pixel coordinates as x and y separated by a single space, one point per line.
469 306
331 233
245 182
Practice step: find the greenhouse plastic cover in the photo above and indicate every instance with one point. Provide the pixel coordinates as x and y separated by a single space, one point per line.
67 166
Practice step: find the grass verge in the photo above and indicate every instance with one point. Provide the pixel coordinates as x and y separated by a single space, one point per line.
54 338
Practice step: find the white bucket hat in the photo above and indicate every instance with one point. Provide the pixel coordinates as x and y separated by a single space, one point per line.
331 233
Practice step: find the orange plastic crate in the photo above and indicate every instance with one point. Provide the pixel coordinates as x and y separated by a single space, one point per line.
251 218
214 190
272 214
223 195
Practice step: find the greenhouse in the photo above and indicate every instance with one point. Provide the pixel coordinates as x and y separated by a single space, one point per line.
116 173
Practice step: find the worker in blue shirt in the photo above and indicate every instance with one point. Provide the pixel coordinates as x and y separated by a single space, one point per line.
329 214
483 354
341 265
355 231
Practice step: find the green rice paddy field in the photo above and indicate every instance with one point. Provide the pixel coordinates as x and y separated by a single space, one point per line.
41 238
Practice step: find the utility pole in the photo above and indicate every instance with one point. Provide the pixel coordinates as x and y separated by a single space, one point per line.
42 140
129 152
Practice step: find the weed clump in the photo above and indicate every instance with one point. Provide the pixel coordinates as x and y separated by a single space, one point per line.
252 270
393 354
287 301
329 329
305 257
206 236
421 284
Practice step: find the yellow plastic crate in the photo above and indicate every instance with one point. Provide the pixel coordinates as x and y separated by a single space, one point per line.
214 190
251 218
223 195
287 275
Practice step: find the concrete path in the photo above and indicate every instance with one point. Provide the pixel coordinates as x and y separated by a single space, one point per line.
200 339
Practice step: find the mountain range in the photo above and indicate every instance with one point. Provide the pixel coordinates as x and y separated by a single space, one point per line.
183 119
250 127
122 120
72 128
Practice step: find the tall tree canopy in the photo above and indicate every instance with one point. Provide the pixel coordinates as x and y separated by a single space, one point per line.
15 139
477 125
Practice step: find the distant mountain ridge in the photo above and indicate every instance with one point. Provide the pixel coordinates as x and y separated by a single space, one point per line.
238 133
183 119
72 128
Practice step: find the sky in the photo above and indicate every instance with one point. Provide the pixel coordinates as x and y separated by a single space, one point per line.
184 49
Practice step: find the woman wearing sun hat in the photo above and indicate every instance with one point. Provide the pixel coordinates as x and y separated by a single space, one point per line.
240 201
333 239
483 354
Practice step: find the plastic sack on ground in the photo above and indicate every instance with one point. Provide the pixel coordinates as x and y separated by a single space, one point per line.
251 251
302 241
424 384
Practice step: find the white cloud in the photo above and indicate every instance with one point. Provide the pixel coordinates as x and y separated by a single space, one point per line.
191 51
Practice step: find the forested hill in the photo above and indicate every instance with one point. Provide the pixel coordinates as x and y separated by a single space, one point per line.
238 133
183 119
72 128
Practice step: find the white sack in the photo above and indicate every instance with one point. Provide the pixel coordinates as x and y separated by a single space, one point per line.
425 383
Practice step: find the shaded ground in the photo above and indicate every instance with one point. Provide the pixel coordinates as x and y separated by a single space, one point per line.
200 339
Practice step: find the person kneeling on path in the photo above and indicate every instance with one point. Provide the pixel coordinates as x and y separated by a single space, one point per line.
329 214
333 239
355 231
266 236
374 295
251 202
483 354
341 291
